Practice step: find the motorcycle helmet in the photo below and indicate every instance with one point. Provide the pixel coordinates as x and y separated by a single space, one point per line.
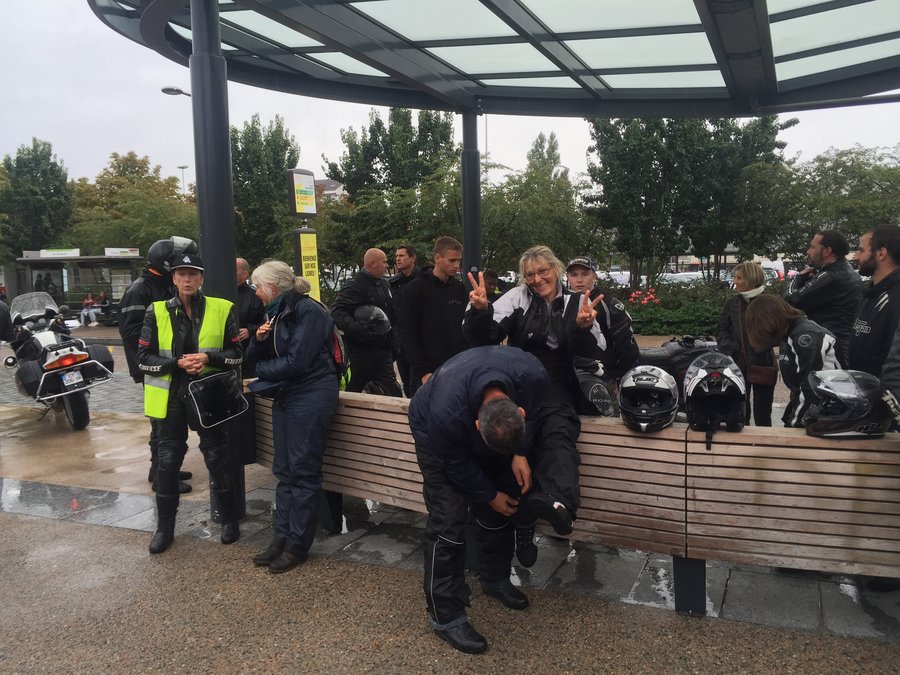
648 398
374 318
849 405
160 253
715 392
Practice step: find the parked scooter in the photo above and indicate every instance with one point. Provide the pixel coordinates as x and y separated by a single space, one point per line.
52 367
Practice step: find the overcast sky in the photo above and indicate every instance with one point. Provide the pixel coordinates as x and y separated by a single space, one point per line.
68 79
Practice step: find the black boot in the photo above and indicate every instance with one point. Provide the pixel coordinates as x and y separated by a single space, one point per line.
506 593
166 508
231 532
286 562
276 547
463 637
546 507
526 551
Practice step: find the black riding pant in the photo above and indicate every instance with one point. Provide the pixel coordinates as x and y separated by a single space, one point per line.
369 365
446 591
554 458
172 432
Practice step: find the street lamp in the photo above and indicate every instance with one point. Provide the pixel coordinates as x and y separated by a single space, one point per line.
175 91
182 167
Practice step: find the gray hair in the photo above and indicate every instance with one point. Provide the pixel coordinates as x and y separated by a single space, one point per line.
502 426
280 275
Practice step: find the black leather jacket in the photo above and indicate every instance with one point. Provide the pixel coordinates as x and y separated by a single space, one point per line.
143 292
364 289
806 348
876 321
830 298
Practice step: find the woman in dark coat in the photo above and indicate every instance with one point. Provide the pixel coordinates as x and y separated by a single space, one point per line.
294 359
749 282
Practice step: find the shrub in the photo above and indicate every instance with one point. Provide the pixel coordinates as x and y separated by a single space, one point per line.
678 309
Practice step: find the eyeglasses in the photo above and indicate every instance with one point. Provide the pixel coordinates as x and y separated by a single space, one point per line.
544 272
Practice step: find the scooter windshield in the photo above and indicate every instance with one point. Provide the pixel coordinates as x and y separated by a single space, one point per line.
31 306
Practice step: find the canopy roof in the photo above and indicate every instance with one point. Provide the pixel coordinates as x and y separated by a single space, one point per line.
610 58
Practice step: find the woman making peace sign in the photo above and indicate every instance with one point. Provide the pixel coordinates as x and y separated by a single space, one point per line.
542 317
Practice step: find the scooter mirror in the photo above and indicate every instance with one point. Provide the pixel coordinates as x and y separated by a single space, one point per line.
10 362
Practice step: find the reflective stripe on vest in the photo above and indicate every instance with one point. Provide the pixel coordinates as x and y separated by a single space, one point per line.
211 339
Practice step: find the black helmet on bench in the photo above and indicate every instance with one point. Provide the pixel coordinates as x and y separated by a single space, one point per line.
648 398
715 392
849 405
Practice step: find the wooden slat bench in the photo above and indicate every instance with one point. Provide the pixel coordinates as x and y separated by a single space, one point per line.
763 496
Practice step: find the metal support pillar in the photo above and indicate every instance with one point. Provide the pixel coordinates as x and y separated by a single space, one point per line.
215 196
212 151
690 585
471 194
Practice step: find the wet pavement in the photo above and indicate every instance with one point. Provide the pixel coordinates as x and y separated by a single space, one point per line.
78 590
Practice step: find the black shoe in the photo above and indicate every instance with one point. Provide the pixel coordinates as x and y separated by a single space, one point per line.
231 532
286 562
508 594
464 638
162 539
185 475
268 556
544 506
526 551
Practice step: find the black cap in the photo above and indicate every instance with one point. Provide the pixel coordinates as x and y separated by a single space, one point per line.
186 260
583 261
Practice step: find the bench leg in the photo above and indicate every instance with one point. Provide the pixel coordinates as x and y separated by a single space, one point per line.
690 585
331 511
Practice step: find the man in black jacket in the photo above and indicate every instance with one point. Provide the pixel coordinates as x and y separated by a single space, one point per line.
405 264
251 313
434 305
155 283
370 349
6 327
471 425
828 290
879 313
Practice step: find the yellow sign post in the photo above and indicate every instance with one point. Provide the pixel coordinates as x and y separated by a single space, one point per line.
306 258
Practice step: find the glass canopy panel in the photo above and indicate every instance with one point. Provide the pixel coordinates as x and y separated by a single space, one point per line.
839 59
347 64
683 49
778 6
696 79
836 26
512 58
269 29
186 34
419 20
553 82
563 16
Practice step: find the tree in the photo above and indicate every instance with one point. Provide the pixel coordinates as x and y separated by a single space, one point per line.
535 206
129 203
36 199
261 158
633 176
393 156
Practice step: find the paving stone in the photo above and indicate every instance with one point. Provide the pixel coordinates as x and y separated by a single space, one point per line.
842 612
123 506
587 570
383 545
773 599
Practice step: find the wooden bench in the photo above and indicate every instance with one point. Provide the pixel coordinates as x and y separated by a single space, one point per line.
763 496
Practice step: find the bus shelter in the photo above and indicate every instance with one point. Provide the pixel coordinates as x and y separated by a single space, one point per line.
68 276
574 58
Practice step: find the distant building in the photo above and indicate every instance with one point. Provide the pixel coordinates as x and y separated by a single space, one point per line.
330 189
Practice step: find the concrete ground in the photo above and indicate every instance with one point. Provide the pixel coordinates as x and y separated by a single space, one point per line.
79 592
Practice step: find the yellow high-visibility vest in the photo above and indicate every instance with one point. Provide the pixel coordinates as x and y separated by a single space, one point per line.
211 339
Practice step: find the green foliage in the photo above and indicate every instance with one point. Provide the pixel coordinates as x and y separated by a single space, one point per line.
129 204
683 309
260 160
34 198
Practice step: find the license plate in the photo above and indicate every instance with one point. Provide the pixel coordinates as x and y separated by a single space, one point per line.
72 377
